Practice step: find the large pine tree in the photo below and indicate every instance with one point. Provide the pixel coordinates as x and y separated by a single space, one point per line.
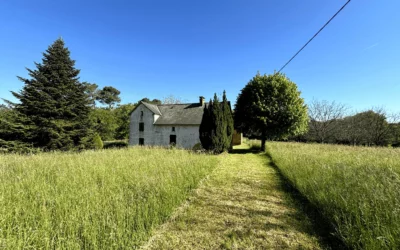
53 106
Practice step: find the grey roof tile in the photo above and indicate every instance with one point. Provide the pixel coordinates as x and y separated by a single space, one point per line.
180 114
177 114
153 108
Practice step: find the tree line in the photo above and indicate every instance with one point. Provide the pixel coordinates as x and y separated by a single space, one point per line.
330 122
55 111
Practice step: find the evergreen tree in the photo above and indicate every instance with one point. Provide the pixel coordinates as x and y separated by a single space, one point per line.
216 128
227 113
53 107
206 126
219 127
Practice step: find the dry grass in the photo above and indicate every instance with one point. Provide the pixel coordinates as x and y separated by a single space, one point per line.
241 206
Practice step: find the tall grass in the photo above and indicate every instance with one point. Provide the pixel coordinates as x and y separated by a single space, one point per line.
356 188
93 200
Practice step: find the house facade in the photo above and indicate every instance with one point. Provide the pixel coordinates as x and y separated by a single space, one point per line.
166 124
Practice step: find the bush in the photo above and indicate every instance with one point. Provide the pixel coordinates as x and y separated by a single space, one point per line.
97 142
115 144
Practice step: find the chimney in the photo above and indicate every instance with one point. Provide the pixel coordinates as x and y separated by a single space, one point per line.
202 100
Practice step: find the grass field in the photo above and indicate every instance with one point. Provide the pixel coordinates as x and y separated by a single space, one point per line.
356 188
241 205
94 200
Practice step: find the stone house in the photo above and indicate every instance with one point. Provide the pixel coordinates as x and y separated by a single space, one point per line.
165 124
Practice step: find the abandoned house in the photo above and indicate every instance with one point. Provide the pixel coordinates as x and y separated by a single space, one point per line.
166 124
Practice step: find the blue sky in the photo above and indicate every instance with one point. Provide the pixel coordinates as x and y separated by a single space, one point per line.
191 48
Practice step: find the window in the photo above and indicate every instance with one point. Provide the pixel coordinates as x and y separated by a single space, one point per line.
172 139
141 115
141 141
173 129
141 126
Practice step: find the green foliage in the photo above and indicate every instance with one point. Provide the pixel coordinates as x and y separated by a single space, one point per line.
357 189
104 123
122 119
216 128
108 95
270 107
154 101
92 92
111 199
115 144
206 127
53 109
97 142
227 114
365 128
218 135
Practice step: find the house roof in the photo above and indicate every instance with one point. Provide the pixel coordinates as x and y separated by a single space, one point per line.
153 108
176 114
180 114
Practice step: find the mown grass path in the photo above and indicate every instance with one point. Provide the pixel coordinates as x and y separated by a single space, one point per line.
242 205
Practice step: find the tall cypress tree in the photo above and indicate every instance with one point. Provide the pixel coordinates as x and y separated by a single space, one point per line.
206 126
53 107
216 128
227 114
219 127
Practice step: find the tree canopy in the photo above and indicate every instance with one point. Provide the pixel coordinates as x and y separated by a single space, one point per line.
53 108
109 96
270 107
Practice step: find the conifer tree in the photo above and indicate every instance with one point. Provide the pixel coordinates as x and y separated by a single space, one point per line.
219 126
53 106
227 113
206 127
216 128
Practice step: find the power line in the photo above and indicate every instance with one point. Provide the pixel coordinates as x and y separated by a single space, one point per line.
314 36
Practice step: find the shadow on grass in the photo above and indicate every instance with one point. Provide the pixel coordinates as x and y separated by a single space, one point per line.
245 151
320 224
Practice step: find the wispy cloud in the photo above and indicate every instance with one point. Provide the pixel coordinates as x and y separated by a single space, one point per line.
370 47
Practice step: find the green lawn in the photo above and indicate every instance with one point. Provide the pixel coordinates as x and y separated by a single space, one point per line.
242 205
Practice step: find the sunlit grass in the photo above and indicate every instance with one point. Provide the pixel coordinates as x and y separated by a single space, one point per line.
96 200
356 188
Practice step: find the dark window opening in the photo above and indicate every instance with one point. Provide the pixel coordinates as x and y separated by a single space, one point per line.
172 139
141 126
173 129
141 115
141 141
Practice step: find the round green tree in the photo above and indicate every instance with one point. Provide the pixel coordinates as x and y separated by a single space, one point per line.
270 107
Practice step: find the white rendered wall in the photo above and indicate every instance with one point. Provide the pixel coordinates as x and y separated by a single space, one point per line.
159 135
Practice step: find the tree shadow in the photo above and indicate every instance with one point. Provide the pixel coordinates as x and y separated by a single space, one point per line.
320 224
245 151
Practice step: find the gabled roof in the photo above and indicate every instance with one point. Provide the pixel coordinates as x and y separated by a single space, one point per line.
176 114
180 114
153 108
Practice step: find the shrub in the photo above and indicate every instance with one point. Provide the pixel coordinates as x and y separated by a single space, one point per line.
97 142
